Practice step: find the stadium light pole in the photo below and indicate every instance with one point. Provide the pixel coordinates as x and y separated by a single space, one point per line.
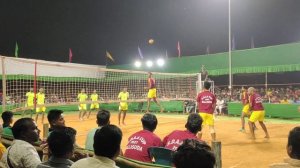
229 47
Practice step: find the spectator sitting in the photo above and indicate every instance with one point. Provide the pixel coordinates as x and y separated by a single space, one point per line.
22 153
175 139
7 117
107 146
56 120
103 117
293 150
285 101
141 141
61 146
194 154
2 147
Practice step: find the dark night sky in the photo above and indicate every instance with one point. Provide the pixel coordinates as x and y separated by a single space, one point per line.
46 29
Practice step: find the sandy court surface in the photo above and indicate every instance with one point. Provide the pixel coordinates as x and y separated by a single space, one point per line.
238 151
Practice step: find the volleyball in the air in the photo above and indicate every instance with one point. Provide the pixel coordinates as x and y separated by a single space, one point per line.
151 41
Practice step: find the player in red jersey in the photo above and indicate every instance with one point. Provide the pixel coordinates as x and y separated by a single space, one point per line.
207 104
246 108
258 112
141 141
176 138
152 92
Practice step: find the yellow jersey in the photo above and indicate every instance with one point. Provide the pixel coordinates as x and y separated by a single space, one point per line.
82 97
123 96
284 102
94 97
30 97
40 98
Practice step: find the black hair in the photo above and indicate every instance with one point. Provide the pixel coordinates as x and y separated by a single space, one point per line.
61 142
294 142
103 117
149 122
207 85
53 115
194 154
21 127
194 123
107 141
7 117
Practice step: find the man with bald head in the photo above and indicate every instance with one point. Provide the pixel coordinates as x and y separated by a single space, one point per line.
258 112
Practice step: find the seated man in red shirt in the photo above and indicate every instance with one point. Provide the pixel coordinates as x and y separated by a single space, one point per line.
141 141
176 138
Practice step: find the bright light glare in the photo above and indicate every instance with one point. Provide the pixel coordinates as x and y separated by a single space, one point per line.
137 64
149 63
160 62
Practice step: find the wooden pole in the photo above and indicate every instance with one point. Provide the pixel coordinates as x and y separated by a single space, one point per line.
45 131
216 146
3 84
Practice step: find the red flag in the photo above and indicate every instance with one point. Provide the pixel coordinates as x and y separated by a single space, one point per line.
179 50
70 55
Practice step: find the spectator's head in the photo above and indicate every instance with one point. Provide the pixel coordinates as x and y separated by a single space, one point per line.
31 89
41 90
82 90
149 122
56 118
193 153
107 141
61 142
285 98
103 117
293 146
251 90
124 89
26 129
94 91
207 85
7 117
194 123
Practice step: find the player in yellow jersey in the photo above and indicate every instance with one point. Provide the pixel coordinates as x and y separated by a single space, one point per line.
123 107
95 105
41 108
82 96
30 101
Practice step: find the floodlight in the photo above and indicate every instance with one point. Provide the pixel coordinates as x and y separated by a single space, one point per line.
160 62
137 64
149 63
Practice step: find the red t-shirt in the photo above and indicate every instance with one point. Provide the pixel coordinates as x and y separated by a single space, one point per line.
245 98
139 143
176 138
256 102
151 83
206 100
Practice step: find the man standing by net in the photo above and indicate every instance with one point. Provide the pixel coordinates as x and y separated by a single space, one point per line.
95 105
258 112
82 96
41 108
30 100
207 104
152 92
123 107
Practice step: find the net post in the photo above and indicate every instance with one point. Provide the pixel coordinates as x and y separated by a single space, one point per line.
198 88
216 147
45 131
3 84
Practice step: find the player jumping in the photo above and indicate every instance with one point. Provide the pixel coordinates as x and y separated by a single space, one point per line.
41 108
207 104
82 96
258 113
95 105
123 96
152 92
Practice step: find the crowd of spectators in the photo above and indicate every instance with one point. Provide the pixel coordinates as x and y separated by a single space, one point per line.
273 94
105 141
